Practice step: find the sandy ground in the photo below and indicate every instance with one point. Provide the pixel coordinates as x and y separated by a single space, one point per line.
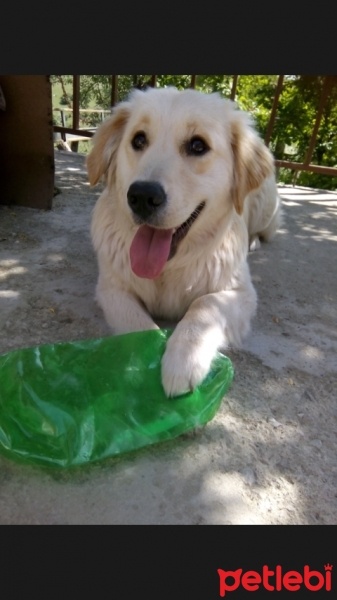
268 456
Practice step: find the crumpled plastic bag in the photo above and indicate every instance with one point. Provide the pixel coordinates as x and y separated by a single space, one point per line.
72 403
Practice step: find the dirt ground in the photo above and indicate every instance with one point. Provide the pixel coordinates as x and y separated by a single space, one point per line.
268 456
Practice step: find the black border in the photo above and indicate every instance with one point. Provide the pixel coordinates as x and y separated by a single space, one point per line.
156 561
256 38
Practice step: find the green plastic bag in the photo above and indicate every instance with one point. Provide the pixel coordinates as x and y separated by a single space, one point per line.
72 403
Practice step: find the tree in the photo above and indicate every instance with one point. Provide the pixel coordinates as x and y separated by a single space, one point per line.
295 120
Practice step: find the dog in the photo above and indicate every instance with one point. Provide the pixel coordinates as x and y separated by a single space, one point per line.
189 188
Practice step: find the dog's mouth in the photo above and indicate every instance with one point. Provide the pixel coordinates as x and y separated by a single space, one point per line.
182 231
151 247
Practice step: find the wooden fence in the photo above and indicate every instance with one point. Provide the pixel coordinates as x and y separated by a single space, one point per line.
306 165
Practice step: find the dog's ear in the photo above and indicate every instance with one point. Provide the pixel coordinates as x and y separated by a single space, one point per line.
105 143
252 163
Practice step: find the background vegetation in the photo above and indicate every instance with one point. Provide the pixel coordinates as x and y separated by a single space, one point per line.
296 112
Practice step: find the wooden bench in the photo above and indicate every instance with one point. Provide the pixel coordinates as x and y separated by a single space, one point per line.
69 141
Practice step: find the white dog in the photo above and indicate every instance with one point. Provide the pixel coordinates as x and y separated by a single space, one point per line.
185 175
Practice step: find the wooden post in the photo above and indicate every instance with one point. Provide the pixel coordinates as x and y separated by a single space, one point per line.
234 86
114 90
26 142
327 84
278 91
76 101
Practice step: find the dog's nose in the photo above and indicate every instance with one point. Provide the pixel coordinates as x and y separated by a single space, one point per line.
145 197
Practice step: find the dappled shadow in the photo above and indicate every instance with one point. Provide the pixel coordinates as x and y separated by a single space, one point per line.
318 219
295 279
48 267
71 174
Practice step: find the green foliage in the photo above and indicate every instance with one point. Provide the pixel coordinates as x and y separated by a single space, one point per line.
293 126
179 81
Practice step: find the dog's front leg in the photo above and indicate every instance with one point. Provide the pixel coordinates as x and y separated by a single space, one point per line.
213 321
122 311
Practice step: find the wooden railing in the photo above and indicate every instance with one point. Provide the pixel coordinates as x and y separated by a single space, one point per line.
71 137
305 165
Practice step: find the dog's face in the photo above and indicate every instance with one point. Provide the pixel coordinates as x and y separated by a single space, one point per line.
177 160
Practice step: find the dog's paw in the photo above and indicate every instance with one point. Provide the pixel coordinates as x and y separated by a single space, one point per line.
184 367
254 243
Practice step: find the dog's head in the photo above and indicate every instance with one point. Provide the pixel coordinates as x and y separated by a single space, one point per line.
175 161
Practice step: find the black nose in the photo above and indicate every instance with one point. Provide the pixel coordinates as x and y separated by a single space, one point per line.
145 197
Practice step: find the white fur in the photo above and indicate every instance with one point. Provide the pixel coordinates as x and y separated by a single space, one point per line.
262 213
206 287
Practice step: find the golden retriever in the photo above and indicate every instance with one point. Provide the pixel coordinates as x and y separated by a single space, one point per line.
188 186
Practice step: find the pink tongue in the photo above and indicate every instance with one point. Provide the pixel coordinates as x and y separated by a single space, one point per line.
149 251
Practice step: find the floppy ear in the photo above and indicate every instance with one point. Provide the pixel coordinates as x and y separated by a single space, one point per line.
253 162
105 143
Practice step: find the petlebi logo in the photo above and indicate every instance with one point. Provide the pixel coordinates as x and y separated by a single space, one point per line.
275 579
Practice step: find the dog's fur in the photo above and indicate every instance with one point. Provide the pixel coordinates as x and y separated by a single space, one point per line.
193 153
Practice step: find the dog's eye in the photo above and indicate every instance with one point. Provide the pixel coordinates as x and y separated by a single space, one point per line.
196 146
139 141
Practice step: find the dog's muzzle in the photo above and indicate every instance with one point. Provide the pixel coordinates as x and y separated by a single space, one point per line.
145 198
153 246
